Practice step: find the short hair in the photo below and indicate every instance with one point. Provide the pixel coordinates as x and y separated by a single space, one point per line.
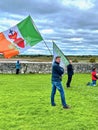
57 57
93 68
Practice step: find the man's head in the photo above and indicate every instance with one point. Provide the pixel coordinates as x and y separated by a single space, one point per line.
17 61
70 61
58 59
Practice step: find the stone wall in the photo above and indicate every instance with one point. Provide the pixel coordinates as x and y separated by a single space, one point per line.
42 67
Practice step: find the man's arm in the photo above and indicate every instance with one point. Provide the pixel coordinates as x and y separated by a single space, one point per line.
60 70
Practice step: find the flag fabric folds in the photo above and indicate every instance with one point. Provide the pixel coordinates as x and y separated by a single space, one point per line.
58 52
6 47
19 38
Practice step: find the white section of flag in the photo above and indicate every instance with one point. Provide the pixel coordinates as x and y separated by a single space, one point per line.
58 52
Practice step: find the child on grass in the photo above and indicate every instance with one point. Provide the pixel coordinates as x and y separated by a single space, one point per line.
94 77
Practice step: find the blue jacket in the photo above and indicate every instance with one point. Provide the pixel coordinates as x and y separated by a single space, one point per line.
57 72
18 65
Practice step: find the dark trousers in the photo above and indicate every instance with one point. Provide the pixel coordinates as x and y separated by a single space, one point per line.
69 80
17 71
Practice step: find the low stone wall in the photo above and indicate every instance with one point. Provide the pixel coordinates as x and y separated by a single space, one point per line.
43 67
26 67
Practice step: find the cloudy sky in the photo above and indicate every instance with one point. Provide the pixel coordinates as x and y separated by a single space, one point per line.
72 24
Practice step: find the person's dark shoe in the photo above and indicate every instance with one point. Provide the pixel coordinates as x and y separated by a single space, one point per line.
88 84
66 107
67 85
53 105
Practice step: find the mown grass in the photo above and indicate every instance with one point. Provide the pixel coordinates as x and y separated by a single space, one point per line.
25 103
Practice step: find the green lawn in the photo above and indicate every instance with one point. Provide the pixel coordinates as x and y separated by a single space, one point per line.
25 103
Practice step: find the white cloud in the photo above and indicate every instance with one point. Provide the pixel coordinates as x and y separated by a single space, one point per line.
70 23
76 39
47 31
81 4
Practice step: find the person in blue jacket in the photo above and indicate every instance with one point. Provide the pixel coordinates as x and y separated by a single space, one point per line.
18 66
57 73
70 73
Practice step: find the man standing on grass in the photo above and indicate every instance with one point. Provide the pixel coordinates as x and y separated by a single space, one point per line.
18 66
57 73
70 73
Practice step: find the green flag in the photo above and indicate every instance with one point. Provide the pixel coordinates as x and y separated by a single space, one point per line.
18 39
29 31
58 52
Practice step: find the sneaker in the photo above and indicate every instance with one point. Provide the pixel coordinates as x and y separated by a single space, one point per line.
66 107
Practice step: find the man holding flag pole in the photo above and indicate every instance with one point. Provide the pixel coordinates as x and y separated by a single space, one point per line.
57 72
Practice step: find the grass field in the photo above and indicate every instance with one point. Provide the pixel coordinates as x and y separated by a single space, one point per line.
25 104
